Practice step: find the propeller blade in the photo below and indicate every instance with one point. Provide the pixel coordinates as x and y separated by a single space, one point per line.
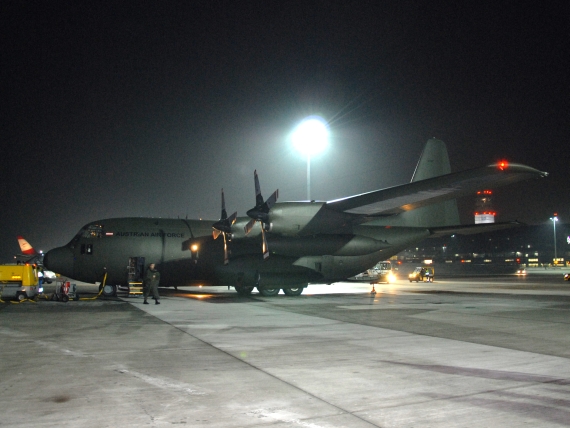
272 199
247 228
224 226
261 213
258 197
226 258
264 246
224 223
261 210
224 213
232 219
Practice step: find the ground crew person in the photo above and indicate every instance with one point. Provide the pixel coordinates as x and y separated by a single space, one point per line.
150 284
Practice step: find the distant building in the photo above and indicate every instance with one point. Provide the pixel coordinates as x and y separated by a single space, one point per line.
484 212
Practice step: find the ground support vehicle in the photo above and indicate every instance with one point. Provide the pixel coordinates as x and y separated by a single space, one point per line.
381 272
64 291
423 274
19 281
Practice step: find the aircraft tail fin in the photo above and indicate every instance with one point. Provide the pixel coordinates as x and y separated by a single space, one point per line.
434 161
25 247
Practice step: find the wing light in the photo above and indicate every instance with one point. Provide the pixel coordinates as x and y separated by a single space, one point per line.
502 165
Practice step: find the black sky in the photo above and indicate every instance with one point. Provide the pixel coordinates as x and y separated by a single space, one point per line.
140 108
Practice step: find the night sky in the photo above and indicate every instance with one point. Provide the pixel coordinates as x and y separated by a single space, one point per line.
113 109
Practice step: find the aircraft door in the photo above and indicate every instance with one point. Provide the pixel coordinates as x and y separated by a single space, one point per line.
136 269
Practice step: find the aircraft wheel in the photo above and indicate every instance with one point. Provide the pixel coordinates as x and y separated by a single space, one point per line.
268 292
297 291
109 290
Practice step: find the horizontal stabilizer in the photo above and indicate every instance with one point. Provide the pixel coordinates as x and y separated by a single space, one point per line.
472 229
407 197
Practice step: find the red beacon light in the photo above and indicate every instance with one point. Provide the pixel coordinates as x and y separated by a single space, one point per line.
502 165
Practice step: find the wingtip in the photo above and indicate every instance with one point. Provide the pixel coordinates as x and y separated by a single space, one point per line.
517 168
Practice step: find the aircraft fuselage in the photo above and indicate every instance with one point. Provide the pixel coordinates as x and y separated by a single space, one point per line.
186 252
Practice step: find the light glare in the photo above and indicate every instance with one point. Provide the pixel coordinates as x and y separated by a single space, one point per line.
311 136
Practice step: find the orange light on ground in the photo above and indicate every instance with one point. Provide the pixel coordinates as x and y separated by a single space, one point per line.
200 296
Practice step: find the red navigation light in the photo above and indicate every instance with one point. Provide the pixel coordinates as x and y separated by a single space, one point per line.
502 165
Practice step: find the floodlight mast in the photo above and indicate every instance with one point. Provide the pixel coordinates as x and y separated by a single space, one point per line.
308 177
554 220
310 137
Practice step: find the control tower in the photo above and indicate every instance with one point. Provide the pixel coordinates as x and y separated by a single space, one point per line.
484 212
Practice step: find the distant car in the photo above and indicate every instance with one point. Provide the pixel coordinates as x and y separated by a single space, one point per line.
425 273
567 277
521 272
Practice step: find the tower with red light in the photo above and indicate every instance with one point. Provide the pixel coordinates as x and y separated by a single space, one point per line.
484 212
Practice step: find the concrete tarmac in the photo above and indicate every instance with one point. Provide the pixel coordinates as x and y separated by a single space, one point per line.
488 352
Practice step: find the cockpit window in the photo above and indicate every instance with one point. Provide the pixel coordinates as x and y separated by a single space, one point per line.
91 231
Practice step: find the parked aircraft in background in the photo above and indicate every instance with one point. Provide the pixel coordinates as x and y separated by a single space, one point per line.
26 249
286 245
30 255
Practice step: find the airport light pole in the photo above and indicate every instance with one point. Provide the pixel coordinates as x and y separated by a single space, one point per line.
309 138
554 220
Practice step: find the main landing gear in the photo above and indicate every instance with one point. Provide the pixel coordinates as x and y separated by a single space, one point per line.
243 290
293 291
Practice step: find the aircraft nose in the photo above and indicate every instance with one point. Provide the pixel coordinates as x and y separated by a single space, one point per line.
59 260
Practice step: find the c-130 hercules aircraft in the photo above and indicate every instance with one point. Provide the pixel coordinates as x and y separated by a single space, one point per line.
301 242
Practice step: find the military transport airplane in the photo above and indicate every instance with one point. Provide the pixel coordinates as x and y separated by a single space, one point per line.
301 242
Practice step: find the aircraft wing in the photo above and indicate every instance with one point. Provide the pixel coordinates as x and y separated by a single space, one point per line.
406 197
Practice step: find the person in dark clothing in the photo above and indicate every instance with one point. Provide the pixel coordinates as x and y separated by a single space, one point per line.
150 284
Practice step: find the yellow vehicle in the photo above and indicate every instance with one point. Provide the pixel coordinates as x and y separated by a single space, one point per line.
424 274
19 281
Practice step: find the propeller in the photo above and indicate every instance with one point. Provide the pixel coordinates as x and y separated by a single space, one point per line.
260 213
224 226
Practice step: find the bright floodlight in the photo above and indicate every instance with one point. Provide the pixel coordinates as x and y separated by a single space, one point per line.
311 136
